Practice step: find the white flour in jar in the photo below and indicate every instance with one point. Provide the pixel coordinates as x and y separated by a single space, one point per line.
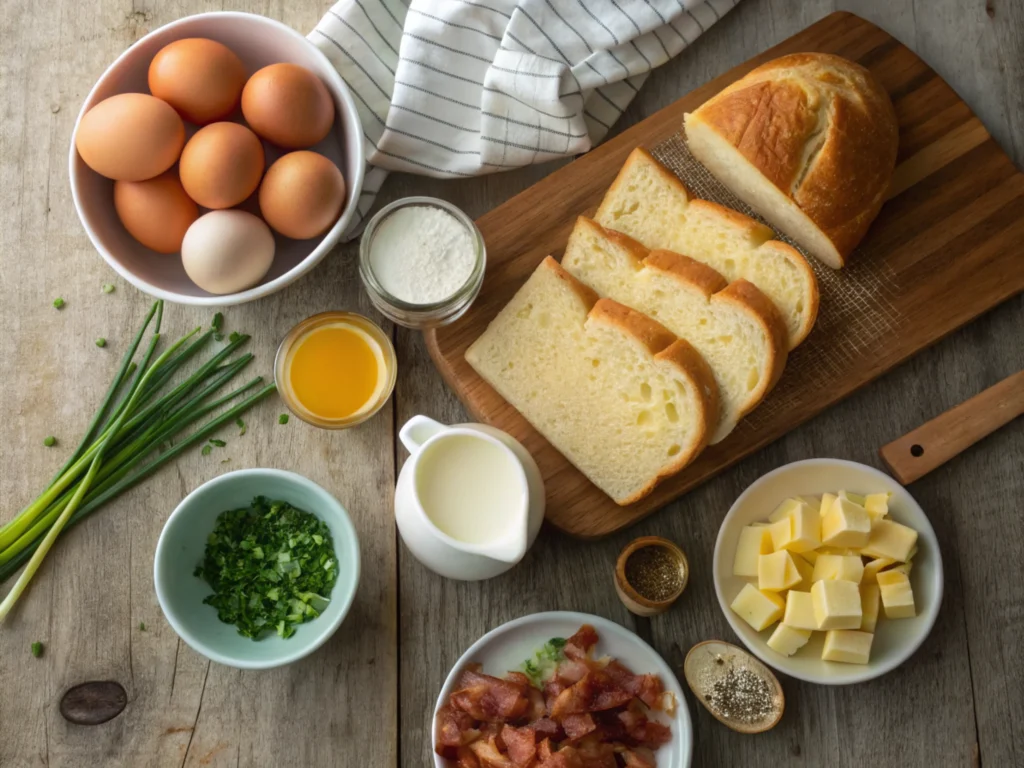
421 254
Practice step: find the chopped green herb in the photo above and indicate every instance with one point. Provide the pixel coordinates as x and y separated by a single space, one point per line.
101 342
271 566
218 321
108 288
50 441
218 443
218 337
206 450
544 661
235 336
282 419
142 626
37 649
241 426
225 461
58 303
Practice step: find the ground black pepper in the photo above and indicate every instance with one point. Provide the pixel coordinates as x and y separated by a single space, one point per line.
654 572
742 696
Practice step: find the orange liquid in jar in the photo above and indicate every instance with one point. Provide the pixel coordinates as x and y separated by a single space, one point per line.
336 371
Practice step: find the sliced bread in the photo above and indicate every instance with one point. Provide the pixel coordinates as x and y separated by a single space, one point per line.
734 326
647 202
621 397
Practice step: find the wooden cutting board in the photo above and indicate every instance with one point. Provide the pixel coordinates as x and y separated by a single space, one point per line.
947 246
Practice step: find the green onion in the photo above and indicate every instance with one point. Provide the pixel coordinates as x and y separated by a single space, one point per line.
207 450
233 337
218 443
37 649
241 426
108 288
58 303
218 321
142 626
49 441
282 419
101 342
129 438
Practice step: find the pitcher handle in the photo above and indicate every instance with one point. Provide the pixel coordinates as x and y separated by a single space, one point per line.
417 431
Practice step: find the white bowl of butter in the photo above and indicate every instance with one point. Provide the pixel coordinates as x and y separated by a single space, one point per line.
894 640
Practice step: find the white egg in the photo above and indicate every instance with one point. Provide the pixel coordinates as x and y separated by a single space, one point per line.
227 251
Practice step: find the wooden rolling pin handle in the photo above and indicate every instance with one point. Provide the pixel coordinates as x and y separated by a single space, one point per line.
934 443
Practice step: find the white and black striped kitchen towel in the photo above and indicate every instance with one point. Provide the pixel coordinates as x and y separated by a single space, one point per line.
453 88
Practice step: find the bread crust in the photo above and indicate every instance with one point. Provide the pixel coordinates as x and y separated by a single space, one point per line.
690 271
750 297
639 156
666 347
822 130
586 294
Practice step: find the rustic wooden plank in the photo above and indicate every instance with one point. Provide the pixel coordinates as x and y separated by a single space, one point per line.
90 598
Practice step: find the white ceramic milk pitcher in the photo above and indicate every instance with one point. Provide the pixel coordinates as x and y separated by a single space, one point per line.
469 500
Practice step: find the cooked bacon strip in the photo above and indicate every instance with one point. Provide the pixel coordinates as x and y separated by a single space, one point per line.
518 678
520 743
489 698
595 753
647 688
641 757
454 727
544 750
579 645
566 757
572 671
545 726
595 692
489 755
578 726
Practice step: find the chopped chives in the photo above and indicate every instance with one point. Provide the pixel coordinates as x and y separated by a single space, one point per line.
58 303
282 419
50 441
101 342
108 288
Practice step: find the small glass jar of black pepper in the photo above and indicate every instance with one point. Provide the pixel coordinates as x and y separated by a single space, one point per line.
650 574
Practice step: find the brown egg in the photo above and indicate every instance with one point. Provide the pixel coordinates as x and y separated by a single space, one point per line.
302 195
201 78
288 105
221 165
156 212
130 137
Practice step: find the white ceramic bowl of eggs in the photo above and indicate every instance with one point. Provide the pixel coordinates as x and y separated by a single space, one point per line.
258 42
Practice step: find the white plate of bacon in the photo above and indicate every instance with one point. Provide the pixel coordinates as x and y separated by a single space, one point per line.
561 690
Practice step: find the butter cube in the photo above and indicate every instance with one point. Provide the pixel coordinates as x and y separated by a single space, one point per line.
812 501
845 525
782 533
799 612
904 567
856 498
759 609
827 500
838 567
836 604
806 571
870 595
872 568
913 551
897 595
848 646
811 556
784 509
753 541
877 506
776 572
787 641
806 529
890 539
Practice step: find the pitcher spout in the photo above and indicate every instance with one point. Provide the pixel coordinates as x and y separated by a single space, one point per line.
509 549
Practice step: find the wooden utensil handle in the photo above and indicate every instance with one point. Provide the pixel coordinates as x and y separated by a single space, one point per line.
934 443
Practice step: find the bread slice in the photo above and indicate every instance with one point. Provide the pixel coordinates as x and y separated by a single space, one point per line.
809 141
734 326
620 396
647 202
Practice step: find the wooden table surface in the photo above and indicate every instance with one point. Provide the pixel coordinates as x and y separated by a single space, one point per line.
365 698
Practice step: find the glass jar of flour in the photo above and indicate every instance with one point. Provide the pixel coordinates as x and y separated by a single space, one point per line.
422 262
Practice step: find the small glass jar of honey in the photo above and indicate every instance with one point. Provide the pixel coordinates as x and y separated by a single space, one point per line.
335 370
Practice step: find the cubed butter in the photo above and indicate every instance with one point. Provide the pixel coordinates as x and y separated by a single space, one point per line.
806 529
870 596
782 533
799 612
847 646
784 509
811 555
838 567
806 571
787 640
759 609
856 498
753 541
836 604
776 572
872 568
846 524
897 595
877 506
903 567
890 539
826 503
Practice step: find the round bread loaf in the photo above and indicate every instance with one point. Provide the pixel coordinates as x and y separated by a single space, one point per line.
809 141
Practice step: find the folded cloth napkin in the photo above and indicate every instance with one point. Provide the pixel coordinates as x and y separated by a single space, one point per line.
453 88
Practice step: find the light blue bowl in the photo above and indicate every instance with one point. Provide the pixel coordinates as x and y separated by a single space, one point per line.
181 547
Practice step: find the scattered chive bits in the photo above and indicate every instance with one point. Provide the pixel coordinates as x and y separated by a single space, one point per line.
218 321
37 649
49 441
241 426
218 443
235 336
58 303
282 419
271 567
207 449
107 288
142 626
101 342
